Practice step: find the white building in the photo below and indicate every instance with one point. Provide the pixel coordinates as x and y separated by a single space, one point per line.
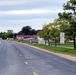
41 40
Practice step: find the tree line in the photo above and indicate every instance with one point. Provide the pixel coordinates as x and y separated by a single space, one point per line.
8 34
26 30
66 22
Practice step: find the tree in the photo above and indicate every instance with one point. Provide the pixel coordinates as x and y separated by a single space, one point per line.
44 33
71 17
14 35
3 35
63 21
50 31
54 30
54 34
64 24
27 30
33 32
38 31
9 34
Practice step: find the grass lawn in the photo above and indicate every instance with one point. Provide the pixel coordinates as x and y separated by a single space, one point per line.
57 49
65 45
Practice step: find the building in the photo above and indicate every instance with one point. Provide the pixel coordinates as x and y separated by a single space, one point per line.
30 38
41 40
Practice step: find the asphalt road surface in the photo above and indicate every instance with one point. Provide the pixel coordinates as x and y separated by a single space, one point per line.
18 59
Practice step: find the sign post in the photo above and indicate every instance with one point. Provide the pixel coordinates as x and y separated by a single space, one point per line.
62 37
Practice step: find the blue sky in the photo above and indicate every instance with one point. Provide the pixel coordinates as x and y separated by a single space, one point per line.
14 14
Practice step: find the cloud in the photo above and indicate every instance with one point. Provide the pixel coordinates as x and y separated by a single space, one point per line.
15 2
14 14
12 2
32 11
16 25
23 22
23 12
8 2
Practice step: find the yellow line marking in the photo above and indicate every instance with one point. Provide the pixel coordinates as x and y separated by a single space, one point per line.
20 55
34 73
26 62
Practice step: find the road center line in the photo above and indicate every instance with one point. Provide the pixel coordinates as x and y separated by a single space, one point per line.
26 62
20 55
34 73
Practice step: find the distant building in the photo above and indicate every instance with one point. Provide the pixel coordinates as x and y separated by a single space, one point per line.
41 40
30 38
22 37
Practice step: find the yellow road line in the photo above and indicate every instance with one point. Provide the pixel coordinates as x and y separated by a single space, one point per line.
20 55
34 73
26 62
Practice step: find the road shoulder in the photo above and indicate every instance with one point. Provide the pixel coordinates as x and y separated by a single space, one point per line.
69 57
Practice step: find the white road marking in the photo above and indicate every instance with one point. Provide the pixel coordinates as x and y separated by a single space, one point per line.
26 62
20 55
0 42
34 73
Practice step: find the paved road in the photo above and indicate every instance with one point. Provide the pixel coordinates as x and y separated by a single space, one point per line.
18 59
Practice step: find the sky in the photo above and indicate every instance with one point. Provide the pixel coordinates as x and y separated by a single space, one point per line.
15 14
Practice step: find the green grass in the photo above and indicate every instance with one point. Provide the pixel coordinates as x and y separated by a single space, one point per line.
57 49
66 45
